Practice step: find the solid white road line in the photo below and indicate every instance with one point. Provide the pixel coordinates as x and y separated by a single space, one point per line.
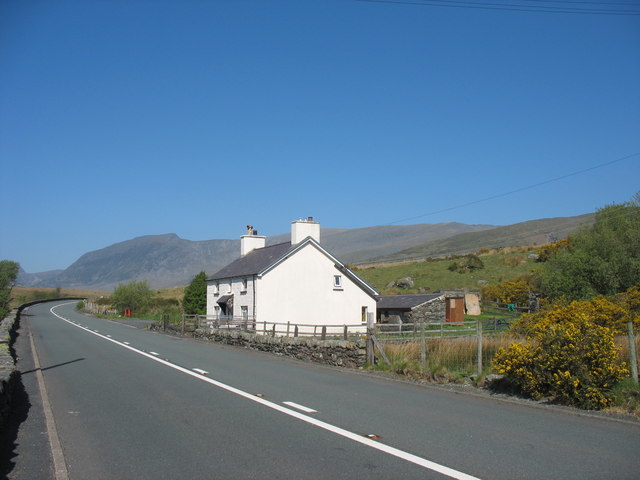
59 464
300 407
409 457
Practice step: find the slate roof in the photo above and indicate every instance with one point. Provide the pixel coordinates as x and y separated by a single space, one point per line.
405 301
254 262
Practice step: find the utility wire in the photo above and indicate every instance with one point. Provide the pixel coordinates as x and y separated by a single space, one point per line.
511 7
511 192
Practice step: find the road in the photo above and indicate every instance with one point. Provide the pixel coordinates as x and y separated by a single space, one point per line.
130 403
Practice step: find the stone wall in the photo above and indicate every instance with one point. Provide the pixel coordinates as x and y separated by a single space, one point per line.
8 374
432 312
342 353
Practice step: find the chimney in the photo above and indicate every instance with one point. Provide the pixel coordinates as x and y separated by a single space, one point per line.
251 241
303 228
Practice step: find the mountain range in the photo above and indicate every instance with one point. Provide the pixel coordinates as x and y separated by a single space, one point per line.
168 260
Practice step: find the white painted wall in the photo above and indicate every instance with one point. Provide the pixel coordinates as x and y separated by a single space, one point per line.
241 296
301 290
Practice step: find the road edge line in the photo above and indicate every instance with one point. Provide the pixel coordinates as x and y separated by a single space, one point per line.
59 464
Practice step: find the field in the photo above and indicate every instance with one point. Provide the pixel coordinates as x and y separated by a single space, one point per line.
434 275
20 295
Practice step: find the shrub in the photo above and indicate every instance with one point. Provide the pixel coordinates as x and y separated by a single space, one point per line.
598 310
133 295
508 292
80 306
573 362
468 263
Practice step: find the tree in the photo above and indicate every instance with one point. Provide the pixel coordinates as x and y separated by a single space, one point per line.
133 295
8 274
601 260
194 301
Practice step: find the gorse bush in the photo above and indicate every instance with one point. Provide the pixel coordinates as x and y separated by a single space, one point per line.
613 312
507 292
568 358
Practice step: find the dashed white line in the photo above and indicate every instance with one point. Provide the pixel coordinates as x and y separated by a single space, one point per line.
363 440
154 353
300 407
200 371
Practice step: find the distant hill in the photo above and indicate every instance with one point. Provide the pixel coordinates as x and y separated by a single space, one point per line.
25 278
357 244
161 260
168 260
533 232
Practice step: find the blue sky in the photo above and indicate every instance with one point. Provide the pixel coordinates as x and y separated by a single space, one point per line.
128 118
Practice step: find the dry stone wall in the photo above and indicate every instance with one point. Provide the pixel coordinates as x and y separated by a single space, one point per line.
8 374
342 353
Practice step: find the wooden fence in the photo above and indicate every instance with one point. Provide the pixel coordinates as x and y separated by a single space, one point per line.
190 323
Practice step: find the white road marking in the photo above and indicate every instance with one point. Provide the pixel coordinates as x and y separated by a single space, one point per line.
59 463
409 457
154 353
200 371
126 343
300 407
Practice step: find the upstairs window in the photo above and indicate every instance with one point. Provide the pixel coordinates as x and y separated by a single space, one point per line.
337 281
244 284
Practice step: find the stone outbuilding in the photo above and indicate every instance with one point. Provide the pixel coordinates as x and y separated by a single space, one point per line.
411 308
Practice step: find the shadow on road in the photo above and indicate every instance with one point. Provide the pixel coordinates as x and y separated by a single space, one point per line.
18 413
53 366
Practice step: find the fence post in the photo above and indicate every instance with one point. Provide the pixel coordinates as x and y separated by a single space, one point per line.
288 326
264 329
184 319
274 330
479 330
370 331
295 331
346 333
633 364
324 333
423 347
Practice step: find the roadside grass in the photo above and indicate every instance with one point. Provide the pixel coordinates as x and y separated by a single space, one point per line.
20 295
626 398
434 275
447 360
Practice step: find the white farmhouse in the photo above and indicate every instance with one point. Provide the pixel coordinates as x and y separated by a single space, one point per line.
297 282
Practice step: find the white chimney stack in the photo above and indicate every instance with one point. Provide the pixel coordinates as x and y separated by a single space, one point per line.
303 228
251 241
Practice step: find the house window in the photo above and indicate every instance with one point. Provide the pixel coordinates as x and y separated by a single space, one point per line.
229 289
217 310
216 288
244 284
337 281
245 312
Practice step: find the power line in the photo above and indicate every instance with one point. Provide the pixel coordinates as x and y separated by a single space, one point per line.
518 7
528 187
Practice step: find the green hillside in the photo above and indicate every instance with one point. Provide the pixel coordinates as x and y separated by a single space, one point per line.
533 232
434 275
